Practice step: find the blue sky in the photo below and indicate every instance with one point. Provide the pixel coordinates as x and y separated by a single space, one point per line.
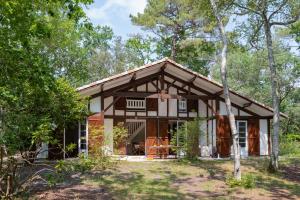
115 13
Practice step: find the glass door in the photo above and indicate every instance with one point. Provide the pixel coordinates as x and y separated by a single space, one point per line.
241 127
82 143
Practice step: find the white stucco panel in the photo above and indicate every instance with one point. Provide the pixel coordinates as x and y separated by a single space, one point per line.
223 110
107 102
202 109
173 103
162 107
263 137
95 105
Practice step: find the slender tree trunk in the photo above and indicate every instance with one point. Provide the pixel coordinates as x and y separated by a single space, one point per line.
173 50
275 98
235 137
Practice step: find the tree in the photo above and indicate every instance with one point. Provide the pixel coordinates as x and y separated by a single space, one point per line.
223 70
140 48
181 31
40 43
262 16
257 84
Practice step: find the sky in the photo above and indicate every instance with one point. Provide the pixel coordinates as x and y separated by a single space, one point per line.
115 13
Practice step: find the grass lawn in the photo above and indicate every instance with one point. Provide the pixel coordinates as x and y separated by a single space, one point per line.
178 180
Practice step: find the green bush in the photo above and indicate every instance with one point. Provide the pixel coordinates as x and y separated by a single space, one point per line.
84 164
290 145
186 139
247 181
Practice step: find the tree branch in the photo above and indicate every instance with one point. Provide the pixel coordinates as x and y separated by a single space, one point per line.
246 8
285 23
277 10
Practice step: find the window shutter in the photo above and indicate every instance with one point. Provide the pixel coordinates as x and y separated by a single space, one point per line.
152 104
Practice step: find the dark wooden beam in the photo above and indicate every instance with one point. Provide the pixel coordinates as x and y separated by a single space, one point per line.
162 69
162 82
171 96
137 82
133 77
193 79
211 107
170 85
247 105
155 85
112 103
207 92
218 93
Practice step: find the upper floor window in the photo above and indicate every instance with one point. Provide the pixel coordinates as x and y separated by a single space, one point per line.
135 104
182 105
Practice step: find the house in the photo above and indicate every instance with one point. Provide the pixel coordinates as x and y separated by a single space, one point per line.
152 101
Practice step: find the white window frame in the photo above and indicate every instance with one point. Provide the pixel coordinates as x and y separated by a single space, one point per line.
182 105
80 150
246 132
136 104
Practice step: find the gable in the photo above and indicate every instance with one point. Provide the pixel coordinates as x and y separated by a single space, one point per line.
179 77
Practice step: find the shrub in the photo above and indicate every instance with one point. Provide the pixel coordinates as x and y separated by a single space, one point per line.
186 139
120 134
247 181
290 145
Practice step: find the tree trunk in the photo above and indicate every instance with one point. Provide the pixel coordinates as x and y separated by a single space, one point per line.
173 50
275 98
223 70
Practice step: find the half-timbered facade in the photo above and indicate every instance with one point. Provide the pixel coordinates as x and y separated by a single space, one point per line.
152 101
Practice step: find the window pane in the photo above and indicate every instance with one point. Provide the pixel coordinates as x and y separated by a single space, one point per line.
83 146
242 140
242 144
242 129
83 133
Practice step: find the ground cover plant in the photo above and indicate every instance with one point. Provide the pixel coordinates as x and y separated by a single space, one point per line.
182 179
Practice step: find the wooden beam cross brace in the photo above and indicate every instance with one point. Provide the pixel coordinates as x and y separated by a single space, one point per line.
112 103
133 77
155 85
170 85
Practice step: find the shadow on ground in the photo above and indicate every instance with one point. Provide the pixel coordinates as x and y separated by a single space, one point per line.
174 180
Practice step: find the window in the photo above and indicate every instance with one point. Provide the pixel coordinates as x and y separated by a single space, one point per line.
136 104
182 105
82 136
241 127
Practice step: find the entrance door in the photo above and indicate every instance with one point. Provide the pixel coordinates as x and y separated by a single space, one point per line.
135 144
253 137
164 137
151 136
223 136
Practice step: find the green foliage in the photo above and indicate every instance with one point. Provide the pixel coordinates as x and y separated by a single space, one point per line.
186 139
83 164
180 27
247 181
141 49
120 134
289 145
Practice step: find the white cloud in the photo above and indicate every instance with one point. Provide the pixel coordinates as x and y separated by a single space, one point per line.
117 7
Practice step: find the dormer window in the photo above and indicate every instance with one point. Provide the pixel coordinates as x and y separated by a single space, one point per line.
182 105
135 104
